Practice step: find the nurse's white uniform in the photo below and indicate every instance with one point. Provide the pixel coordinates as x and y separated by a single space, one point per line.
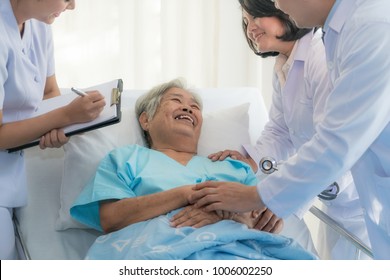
25 63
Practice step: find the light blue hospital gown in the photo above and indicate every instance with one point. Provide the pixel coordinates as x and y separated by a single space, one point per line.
133 171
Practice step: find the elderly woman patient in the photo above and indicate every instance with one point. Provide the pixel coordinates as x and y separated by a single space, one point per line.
139 195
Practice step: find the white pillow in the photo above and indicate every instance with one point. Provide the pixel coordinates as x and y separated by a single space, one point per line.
225 129
222 129
83 154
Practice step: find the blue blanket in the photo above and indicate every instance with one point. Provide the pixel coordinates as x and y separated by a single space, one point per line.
155 239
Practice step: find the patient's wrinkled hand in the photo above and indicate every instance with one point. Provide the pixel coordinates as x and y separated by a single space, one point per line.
225 215
194 217
261 220
267 221
248 218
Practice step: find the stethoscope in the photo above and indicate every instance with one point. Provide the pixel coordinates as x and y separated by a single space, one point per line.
268 165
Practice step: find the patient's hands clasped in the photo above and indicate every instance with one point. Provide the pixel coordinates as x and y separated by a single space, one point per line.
236 198
194 217
191 216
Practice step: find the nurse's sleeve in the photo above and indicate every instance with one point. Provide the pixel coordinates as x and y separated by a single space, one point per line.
50 52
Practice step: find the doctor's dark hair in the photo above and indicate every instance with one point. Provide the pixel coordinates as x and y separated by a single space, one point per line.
150 101
266 8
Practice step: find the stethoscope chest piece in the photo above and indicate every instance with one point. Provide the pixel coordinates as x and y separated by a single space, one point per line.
268 165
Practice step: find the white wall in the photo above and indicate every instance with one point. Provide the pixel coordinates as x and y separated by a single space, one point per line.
146 42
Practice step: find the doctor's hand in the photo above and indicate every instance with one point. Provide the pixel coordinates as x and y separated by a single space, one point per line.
267 221
53 139
85 108
222 155
228 196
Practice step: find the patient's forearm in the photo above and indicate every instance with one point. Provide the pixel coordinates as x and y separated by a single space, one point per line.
115 215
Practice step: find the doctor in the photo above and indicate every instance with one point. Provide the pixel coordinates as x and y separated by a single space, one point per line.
26 77
354 132
301 86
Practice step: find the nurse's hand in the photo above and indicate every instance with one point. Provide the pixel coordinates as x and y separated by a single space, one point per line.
222 155
53 139
85 108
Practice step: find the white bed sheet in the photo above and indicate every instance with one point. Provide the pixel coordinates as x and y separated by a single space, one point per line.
45 168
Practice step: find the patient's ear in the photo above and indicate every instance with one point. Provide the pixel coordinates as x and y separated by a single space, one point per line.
144 121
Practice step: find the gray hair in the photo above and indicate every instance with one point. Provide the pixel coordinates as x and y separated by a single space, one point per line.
150 101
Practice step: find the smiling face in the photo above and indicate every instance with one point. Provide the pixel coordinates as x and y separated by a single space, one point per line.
264 32
177 122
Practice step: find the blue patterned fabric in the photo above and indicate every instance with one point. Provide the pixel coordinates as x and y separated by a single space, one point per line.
155 239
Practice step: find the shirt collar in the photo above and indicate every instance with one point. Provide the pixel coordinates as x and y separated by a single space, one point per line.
340 12
8 17
331 14
301 46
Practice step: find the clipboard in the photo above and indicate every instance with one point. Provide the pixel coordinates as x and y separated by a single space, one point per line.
110 115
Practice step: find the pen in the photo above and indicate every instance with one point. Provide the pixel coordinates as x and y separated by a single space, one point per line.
79 91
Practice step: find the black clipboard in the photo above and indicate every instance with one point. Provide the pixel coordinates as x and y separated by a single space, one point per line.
112 92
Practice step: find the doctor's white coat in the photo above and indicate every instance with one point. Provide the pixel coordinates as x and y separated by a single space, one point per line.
297 107
355 131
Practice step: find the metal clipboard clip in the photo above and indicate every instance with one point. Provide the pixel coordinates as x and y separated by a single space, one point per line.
116 93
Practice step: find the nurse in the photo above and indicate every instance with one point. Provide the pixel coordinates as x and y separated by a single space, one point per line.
354 132
26 77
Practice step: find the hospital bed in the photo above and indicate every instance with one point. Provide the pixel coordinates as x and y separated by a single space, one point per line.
45 230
